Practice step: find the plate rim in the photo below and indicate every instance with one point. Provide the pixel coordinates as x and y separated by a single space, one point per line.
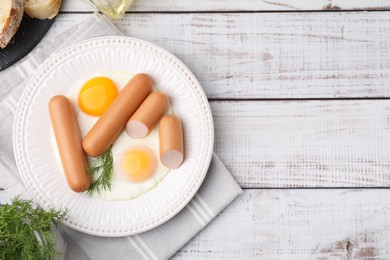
20 114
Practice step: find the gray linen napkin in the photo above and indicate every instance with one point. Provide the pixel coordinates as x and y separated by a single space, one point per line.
218 190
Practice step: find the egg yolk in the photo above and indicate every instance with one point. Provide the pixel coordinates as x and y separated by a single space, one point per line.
138 164
96 95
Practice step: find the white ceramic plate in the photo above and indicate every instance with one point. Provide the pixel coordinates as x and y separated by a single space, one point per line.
41 171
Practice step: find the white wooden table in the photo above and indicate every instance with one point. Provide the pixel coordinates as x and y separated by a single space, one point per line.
299 95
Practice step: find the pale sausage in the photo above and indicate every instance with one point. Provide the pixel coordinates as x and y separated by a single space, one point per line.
147 115
171 141
68 138
114 119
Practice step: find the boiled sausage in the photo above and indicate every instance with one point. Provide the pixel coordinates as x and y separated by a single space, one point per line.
171 141
68 138
114 119
147 115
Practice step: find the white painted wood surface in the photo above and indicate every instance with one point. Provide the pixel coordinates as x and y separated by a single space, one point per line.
238 5
298 224
283 143
340 143
272 55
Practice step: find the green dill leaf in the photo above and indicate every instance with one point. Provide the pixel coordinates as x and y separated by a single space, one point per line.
20 224
101 171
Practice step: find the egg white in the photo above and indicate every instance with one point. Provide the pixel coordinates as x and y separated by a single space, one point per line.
121 188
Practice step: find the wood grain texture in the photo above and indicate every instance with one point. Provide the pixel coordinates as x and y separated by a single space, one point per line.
293 224
272 55
240 5
298 224
341 143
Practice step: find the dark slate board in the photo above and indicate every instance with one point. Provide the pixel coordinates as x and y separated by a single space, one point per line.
29 34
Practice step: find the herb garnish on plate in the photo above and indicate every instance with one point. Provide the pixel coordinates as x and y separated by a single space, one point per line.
102 165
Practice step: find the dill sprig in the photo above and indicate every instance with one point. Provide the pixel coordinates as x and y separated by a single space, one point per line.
103 166
20 222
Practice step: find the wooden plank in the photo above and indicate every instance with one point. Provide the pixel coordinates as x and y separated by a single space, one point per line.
341 143
298 224
280 55
242 5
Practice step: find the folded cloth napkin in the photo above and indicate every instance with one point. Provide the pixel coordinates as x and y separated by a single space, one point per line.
218 190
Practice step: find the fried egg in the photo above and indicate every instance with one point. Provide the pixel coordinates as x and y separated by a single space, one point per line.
96 95
137 167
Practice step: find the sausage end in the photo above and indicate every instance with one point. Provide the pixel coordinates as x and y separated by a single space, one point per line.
136 129
80 187
172 159
89 149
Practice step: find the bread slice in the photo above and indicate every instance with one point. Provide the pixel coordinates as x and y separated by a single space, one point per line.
42 9
11 14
